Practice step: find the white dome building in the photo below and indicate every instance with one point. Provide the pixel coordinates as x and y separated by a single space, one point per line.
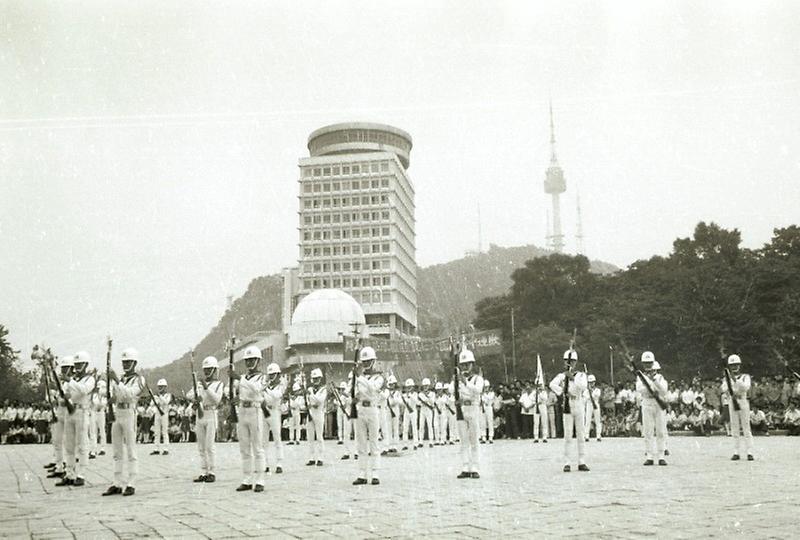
319 323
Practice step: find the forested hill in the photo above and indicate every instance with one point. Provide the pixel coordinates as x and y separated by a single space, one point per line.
447 294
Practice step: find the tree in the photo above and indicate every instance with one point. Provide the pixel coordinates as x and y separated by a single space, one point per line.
14 385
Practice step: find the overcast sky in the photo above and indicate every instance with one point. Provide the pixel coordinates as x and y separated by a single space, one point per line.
148 150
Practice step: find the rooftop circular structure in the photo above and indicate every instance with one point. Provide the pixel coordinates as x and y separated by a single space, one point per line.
360 137
324 316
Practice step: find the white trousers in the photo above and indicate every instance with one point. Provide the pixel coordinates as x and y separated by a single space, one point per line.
541 427
740 426
123 440
76 443
250 432
393 430
592 413
99 430
161 431
442 423
294 426
341 425
272 424
367 425
91 430
653 430
314 431
488 422
574 420
426 424
58 441
468 428
206 432
410 419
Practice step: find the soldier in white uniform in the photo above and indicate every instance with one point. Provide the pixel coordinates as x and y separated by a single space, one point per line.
98 430
125 395
60 470
426 399
740 419
316 398
593 410
394 406
161 421
541 426
653 416
295 403
210 391
273 397
76 433
250 428
345 424
440 425
488 412
368 391
385 420
570 385
469 394
410 404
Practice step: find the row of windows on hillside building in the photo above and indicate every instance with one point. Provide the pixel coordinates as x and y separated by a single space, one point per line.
317 219
344 202
310 186
355 249
345 234
346 266
356 168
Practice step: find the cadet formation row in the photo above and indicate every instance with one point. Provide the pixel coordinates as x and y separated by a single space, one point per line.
379 407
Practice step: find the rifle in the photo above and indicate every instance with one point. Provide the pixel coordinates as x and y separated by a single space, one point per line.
353 408
455 351
391 410
109 404
591 397
47 387
338 399
232 416
565 402
197 403
728 379
645 381
786 364
147 387
67 403
483 407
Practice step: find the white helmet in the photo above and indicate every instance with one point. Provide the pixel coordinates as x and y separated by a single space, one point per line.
251 352
82 357
367 354
130 354
570 354
426 381
296 387
486 383
656 366
647 357
391 380
66 361
316 373
409 382
210 362
161 382
466 356
343 385
438 386
592 378
273 369
734 360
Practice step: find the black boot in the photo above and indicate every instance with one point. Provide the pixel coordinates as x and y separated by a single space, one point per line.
112 490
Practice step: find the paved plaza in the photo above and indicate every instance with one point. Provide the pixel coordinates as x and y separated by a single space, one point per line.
522 493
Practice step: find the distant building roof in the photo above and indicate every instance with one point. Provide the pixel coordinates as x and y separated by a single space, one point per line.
324 316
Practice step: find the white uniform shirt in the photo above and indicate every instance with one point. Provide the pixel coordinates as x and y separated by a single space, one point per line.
576 387
209 397
368 388
395 402
127 390
316 399
251 388
526 401
488 399
741 385
426 399
79 390
658 383
411 401
471 390
274 396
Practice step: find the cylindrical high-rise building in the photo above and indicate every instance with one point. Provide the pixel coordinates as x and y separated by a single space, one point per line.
357 222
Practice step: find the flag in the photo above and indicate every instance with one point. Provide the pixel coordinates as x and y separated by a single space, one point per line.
539 371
